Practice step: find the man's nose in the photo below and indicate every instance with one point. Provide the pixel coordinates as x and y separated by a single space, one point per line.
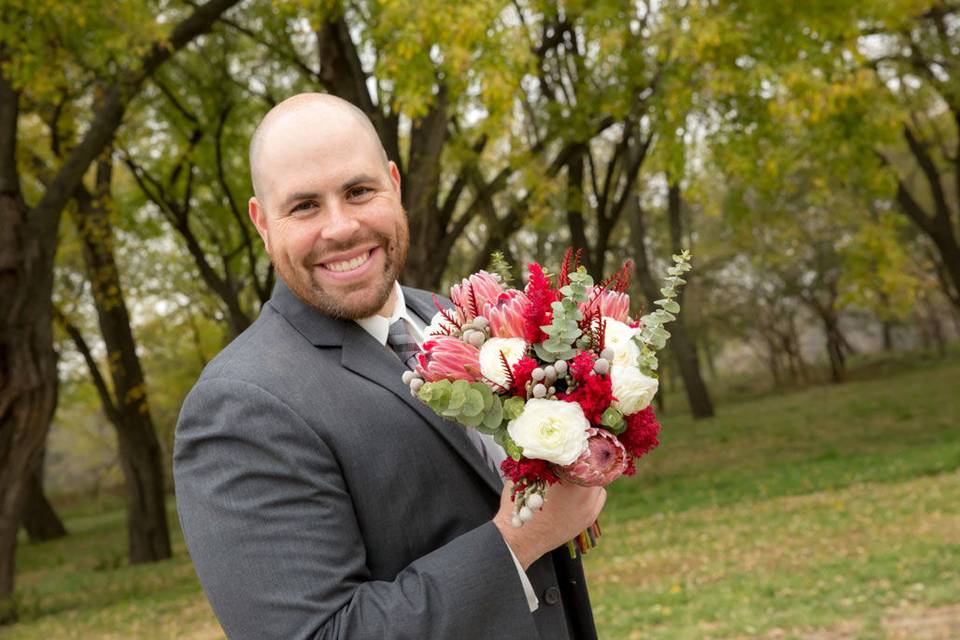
340 224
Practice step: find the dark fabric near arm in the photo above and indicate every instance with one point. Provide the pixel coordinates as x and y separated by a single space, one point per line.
272 529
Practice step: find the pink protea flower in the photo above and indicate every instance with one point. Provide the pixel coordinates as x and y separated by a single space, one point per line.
448 358
609 303
604 461
506 314
474 292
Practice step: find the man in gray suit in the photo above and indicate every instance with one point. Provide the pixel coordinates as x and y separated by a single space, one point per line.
317 497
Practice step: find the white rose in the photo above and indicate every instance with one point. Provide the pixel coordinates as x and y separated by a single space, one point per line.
619 337
440 326
633 390
550 430
491 365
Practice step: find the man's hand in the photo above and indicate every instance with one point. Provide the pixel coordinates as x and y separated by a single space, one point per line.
567 511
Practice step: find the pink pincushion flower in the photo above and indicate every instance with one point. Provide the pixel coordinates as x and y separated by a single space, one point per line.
506 314
604 461
474 292
609 303
448 358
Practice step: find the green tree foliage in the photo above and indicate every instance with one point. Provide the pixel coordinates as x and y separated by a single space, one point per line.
81 102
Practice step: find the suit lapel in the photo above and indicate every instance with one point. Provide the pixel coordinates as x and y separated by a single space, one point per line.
366 357
363 355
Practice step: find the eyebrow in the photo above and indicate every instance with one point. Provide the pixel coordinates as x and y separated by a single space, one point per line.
313 195
299 195
360 179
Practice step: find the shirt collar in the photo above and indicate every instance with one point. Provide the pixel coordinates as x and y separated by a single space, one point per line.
379 327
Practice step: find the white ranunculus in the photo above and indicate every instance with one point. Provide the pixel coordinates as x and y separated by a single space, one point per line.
491 365
633 390
619 337
550 430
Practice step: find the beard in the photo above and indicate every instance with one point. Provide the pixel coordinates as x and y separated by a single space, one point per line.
307 286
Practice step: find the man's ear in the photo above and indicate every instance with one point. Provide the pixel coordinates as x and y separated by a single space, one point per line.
259 218
394 176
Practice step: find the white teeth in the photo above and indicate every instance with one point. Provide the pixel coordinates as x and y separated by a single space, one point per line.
348 265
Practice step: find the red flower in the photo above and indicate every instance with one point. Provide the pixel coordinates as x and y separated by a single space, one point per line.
582 365
537 313
473 292
603 462
593 393
605 302
641 433
505 314
521 375
527 471
448 358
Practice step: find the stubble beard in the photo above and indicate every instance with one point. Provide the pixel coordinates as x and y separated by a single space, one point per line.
313 293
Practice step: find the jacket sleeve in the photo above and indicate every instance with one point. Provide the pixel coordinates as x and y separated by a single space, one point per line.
271 528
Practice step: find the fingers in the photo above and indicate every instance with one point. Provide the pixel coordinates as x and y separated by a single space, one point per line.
601 501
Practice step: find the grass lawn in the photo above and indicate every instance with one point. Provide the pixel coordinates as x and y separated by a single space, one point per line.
831 512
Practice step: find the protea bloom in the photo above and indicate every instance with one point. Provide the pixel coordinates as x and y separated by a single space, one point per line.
448 358
441 324
603 462
474 292
506 314
608 303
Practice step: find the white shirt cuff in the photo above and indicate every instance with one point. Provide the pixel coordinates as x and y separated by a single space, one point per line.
528 591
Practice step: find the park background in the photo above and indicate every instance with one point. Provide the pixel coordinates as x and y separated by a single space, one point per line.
808 480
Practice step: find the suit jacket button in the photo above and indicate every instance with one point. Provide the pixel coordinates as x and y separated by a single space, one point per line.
552 595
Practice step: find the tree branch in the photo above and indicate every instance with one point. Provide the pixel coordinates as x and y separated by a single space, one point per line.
942 209
342 73
9 114
45 217
106 397
284 53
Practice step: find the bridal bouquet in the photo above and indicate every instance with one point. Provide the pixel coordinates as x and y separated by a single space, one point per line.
557 372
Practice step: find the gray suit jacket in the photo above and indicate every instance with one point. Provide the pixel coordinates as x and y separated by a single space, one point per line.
319 499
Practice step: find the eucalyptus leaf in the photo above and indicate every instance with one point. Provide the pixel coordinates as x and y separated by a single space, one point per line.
512 408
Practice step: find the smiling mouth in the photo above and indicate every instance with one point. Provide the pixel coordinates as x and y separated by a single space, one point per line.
355 263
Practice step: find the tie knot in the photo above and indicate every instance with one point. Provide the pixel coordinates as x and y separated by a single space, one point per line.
403 343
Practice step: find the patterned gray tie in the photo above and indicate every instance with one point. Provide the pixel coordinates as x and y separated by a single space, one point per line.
403 343
405 346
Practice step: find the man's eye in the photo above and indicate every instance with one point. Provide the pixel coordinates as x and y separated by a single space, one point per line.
358 192
306 205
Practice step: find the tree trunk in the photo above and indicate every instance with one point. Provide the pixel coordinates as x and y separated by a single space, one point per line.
28 244
706 345
28 363
659 400
773 362
28 376
39 519
938 223
835 340
681 343
575 212
140 455
887 329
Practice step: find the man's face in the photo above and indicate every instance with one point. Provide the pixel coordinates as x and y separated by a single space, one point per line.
330 214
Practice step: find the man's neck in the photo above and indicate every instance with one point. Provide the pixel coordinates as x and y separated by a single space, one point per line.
388 307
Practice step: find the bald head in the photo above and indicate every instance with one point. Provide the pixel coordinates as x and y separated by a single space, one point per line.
309 114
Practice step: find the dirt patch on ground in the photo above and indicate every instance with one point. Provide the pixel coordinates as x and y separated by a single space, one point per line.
923 623
903 623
